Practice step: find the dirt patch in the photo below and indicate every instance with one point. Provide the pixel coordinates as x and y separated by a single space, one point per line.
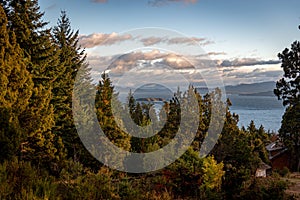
294 185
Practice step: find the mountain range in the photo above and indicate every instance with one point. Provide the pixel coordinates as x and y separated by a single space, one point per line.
252 89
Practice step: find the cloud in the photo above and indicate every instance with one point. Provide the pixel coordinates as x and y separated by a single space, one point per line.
152 41
227 70
176 62
99 1
171 61
158 3
247 62
155 61
212 53
102 39
51 7
126 62
184 40
174 41
234 76
216 53
107 39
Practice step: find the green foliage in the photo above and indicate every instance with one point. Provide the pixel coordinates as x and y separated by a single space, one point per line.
42 156
212 174
288 89
264 188
103 102
241 151
289 132
15 91
39 144
284 172
19 180
90 186
71 60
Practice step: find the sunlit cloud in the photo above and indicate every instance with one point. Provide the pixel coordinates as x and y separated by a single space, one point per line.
196 68
108 39
185 40
152 40
102 39
175 41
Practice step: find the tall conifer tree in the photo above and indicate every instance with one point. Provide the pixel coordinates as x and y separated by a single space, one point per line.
42 145
71 60
15 91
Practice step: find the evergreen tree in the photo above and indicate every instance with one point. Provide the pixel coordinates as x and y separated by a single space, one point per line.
25 19
71 59
82 105
15 91
235 150
289 132
105 98
288 89
103 102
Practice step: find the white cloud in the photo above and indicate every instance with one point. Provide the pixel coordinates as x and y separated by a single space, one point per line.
102 39
148 41
108 39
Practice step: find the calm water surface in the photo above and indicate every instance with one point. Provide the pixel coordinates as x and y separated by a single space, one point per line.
263 110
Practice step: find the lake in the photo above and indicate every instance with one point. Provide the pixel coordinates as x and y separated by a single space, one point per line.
265 110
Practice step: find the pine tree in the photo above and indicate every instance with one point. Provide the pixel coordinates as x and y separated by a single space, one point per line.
25 19
237 150
103 102
15 91
71 59
289 132
105 98
288 89
82 106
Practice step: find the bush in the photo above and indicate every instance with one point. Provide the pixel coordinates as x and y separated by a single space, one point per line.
284 172
20 180
89 186
264 189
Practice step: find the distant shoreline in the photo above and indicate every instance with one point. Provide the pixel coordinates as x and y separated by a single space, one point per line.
262 94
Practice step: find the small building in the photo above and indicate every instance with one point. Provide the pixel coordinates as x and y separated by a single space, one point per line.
278 155
263 170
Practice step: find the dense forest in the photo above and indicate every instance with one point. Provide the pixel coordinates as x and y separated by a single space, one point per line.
42 156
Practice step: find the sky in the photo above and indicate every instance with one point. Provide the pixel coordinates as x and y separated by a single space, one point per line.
205 41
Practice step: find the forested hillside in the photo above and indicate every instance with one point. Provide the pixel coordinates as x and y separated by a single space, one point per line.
42 156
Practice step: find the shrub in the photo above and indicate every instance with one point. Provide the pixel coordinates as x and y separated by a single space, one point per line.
20 180
284 172
264 188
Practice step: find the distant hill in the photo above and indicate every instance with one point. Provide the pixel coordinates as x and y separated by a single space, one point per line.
250 89
253 89
155 92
